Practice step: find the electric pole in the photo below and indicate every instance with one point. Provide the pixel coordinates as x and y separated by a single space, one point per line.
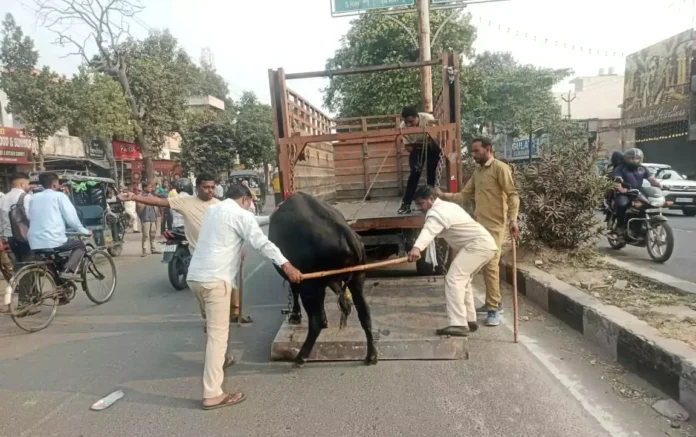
568 100
423 7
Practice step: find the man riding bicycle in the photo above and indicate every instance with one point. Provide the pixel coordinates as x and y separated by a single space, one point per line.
50 211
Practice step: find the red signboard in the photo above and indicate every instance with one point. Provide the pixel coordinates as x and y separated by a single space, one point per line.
15 146
164 167
126 151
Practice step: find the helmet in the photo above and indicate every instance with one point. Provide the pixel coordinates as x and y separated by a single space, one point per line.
633 157
183 184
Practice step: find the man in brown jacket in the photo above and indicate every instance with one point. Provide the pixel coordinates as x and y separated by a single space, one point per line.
493 191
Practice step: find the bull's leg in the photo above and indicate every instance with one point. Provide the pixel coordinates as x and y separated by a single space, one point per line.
296 313
356 285
313 302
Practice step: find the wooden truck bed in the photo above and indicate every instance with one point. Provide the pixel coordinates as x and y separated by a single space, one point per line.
378 214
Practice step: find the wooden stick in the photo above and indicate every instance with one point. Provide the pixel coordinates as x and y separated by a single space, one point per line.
516 328
241 289
359 268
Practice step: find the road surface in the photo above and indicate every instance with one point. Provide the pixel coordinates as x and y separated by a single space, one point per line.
149 341
680 265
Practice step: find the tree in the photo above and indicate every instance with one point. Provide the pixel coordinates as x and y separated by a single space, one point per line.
155 75
98 111
376 39
254 133
209 146
37 97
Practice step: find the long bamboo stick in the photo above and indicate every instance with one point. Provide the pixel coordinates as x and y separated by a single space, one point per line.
516 328
359 268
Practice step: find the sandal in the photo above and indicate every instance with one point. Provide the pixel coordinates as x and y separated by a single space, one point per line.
229 361
230 399
245 319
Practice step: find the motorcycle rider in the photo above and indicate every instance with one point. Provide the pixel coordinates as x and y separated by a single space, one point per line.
632 173
183 188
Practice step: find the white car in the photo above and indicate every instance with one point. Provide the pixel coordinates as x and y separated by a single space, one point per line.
678 190
656 168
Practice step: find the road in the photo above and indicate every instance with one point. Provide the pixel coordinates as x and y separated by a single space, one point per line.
148 340
680 265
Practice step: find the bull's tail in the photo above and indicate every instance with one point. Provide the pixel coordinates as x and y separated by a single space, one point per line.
345 302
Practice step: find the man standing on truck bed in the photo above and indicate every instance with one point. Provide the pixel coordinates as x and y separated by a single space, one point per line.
423 151
495 196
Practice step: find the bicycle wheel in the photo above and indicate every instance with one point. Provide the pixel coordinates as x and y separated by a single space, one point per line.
35 298
99 276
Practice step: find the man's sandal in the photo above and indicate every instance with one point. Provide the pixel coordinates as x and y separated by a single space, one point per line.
229 361
245 319
230 399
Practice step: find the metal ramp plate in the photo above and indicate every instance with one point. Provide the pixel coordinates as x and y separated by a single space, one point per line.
405 314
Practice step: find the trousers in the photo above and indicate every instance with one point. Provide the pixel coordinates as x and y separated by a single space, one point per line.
149 233
491 272
432 158
77 250
459 293
214 300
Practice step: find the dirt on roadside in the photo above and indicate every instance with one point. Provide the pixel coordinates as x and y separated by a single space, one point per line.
670 312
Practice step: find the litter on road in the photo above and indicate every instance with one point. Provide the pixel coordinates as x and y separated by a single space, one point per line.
106 402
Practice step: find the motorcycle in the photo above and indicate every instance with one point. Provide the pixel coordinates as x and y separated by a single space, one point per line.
645 224
177 255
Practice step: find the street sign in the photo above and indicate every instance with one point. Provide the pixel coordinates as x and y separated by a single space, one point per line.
343 6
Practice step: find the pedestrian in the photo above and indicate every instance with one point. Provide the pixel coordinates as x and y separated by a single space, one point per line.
130 208
219 191
214 269
423 152
18 193
192 208
497 206
148 219
474 246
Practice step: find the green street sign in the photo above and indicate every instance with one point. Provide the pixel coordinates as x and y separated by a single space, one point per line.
340 6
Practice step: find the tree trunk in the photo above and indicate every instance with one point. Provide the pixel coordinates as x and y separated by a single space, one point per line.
40 153
109 153
149 170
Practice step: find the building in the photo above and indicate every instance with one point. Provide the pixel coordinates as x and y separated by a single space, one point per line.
658 102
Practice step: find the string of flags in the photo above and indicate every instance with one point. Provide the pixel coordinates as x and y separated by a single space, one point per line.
556 43
661 137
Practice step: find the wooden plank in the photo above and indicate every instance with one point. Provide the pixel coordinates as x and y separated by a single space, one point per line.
405 314
433 131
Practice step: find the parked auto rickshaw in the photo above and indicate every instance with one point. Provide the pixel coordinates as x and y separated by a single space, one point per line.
256 185
98 211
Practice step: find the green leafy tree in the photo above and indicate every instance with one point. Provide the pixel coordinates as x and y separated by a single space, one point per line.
209 145
254 133
155 75
98 111
37 97
376 39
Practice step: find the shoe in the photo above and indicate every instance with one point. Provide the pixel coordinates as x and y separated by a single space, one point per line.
454 331
144 254
483 310
473 326
493 318
405 209
156 252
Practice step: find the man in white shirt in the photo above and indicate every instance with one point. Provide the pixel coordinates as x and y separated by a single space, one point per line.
212 274
474 246
51 210
20 190
418 157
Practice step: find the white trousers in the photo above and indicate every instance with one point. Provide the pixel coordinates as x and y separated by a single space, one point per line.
458 290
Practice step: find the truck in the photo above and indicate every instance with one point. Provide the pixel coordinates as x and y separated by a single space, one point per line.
360 166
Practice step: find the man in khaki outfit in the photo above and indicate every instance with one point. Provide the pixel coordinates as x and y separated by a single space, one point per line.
493 191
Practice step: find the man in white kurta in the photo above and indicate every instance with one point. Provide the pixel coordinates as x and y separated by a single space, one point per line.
474 246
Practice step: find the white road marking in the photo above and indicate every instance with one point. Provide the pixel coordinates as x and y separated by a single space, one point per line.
55 411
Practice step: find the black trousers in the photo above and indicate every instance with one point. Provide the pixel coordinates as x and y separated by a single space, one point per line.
77 250
167 220
432 158
621 203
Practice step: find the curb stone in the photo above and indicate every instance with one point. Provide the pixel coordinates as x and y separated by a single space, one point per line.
668 364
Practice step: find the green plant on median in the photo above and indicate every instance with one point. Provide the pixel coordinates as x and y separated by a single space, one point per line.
560 192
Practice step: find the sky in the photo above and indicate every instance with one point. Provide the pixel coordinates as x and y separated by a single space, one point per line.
247 37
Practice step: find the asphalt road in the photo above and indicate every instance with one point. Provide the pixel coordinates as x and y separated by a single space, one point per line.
149 342
683 260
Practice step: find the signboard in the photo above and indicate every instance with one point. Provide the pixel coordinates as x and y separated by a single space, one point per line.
657 82
126 151
519 150
342 6
164 167
94 150
15 146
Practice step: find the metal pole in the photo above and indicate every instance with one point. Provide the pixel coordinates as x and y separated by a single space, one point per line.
516 328
530 144
424 48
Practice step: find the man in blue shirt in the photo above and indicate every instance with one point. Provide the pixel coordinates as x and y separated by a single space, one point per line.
632 174
50 212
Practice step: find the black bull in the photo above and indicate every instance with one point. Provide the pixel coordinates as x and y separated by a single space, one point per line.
315 237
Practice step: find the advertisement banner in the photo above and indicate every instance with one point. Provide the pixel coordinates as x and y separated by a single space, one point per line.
15 146
126 151
159 166
657 82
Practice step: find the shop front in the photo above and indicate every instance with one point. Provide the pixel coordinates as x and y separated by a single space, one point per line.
15 154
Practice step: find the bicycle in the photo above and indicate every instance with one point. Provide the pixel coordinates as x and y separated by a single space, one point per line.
28 297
